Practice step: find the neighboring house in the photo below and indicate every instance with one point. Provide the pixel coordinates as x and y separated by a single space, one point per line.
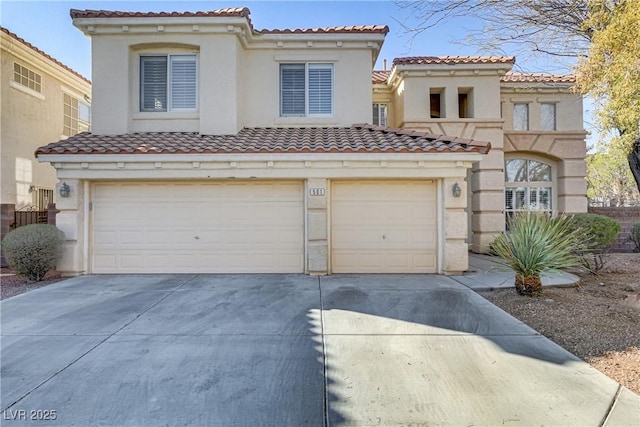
42 100
216 147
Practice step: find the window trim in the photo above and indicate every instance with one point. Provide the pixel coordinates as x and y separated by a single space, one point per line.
37 85
555 115
551 184
465 103
307 64
380 106
74 130
437 99
168 108
528 124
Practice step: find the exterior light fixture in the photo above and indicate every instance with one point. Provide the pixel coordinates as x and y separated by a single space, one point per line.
456 190
64 190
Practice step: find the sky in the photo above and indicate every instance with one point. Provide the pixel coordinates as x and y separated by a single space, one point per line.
47 25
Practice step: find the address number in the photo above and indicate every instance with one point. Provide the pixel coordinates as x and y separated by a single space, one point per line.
316 191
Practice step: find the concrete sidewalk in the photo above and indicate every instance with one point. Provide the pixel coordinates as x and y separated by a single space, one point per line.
486 273
288 350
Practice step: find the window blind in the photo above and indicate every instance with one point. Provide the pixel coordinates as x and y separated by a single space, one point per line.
153 83
292 89
183 82
320 89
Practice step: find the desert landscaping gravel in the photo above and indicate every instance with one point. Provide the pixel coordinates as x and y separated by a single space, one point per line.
598 320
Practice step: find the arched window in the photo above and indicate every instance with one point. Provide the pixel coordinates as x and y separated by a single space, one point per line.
528 186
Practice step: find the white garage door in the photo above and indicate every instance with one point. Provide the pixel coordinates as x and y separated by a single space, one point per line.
175 227
383 227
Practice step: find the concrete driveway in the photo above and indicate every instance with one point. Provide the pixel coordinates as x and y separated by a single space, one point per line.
287 350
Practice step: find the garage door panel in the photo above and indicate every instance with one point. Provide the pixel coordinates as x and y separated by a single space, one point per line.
383 226
198 227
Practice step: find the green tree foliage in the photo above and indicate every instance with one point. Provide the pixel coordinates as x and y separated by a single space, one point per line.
611 71
600 233
610 181
634 237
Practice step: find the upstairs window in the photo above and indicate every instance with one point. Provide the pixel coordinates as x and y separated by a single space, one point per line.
436 103
168 83
520 116
27 77
548 116
380 114
465 103
306 90
77 116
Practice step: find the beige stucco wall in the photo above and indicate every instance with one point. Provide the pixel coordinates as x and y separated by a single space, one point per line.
564 149
484 189
29 120
238 76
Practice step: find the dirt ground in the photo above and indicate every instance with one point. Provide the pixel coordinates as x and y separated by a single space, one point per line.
12 284
598 320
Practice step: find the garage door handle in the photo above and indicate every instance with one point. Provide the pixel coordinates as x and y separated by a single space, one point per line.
197 237
384 236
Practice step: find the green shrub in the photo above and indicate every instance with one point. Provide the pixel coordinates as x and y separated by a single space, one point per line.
634 237
601 232
33 250
537 243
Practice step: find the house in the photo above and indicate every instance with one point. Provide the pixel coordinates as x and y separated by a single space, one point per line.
217 147
42 100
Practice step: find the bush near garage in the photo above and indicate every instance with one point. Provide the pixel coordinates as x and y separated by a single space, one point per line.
600 232
33 250
634 237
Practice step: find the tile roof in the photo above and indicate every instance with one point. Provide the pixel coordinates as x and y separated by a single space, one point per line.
46 55
453 60
232 11
381 29
537 78
361 138
242 12
380 76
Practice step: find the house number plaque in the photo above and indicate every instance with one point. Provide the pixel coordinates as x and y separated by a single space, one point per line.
316 191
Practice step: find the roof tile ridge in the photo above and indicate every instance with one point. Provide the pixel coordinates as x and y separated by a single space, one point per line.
43 53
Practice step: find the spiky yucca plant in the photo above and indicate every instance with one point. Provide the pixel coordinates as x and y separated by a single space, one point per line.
537 243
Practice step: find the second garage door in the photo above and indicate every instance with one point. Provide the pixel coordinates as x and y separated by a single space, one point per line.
179 227
384 227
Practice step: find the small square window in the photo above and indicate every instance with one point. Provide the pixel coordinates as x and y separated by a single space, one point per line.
548 116
380 114
520 116
436 103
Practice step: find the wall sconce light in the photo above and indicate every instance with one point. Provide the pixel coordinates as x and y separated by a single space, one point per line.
456 190
64 190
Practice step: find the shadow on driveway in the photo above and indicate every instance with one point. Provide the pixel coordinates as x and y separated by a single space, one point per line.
283 350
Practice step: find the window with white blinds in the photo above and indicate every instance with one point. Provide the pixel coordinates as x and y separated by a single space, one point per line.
380 114
306 90
168 83
528 187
